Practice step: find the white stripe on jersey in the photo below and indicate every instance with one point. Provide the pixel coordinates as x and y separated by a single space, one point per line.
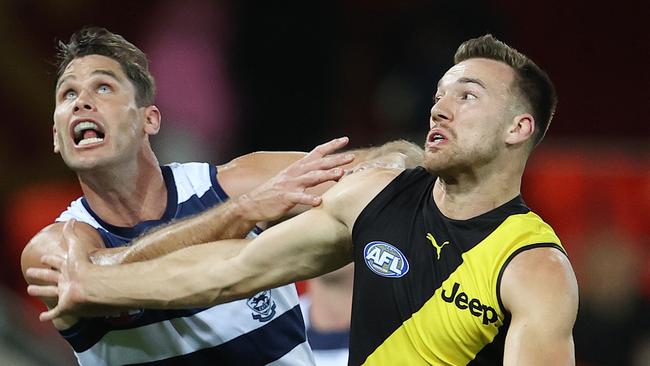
209 328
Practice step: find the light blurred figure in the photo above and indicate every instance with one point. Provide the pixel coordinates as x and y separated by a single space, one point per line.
326 308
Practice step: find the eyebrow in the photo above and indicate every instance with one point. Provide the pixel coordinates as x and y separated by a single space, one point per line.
466 80
96 72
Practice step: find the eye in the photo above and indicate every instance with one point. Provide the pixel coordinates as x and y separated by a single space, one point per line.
69 94
436 98
469 96
103 89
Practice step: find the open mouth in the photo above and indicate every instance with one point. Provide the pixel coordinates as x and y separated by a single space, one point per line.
86 133
437 138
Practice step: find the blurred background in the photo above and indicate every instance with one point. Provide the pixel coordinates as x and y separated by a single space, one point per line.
240 76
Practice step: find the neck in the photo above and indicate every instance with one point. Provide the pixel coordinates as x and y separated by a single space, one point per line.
469 194
330 306
127 194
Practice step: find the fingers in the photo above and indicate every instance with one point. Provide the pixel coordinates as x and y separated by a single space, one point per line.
43 274
303 199
327 162
327 148
317 177
43 291
54 261
49 315
76 251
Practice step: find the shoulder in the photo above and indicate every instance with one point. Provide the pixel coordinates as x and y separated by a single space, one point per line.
50 241
246 172
539 282
352 193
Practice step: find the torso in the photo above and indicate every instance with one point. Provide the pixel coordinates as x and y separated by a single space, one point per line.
267 328
426 288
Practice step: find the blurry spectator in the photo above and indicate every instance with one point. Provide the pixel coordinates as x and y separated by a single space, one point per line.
613 326
326 306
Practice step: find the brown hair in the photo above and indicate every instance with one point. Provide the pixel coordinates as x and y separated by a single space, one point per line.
100 41
531 84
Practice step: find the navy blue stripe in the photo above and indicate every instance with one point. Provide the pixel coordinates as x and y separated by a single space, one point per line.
115 236
215 184
258 347
88 331
141 227
328 340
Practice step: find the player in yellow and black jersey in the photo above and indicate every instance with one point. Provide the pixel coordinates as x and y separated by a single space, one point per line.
451 267
428 292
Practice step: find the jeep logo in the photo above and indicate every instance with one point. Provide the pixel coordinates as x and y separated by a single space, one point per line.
475 307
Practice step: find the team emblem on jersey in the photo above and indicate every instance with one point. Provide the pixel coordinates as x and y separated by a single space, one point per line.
385 260
262 305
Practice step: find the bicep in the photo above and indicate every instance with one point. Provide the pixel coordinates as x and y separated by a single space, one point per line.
540 291
243 174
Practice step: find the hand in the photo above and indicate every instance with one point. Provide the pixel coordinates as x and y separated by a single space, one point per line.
274 198
64 277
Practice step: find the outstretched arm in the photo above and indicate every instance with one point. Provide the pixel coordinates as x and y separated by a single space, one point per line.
264 186
295 250
540 290
308 245
262 194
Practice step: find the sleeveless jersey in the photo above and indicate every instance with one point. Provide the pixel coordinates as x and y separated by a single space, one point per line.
266 328
426 287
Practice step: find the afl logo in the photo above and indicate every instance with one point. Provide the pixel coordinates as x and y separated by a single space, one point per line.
385 260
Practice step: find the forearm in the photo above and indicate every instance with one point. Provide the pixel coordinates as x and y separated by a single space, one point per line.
208 274
193 277
226 221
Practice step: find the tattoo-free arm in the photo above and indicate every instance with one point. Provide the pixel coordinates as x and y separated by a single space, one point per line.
540 291
308 245
264 186
50 241
294 250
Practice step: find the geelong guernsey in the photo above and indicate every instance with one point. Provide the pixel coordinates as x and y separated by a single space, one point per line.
426 287
266 328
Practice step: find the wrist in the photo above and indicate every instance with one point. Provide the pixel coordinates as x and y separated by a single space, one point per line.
245 209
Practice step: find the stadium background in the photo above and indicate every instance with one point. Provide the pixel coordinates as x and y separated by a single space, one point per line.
235 77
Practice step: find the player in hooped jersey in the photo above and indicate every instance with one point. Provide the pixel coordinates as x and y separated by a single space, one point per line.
451 266
103 118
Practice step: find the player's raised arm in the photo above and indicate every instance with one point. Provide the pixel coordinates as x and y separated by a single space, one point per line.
263 186
308 245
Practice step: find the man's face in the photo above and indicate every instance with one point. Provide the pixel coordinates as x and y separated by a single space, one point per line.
96 120
470 115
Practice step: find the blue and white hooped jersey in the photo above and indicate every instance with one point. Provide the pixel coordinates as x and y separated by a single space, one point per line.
267 328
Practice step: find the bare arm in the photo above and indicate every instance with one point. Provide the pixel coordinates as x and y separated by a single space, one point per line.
308 245
265 186
540 290
49 241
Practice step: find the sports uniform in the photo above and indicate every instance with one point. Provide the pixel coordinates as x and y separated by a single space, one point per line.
266 328
426 286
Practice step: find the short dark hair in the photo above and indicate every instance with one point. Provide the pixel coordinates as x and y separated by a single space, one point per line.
100 41
531 82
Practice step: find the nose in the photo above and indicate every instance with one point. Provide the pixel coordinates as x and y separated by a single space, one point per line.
84 102
441 111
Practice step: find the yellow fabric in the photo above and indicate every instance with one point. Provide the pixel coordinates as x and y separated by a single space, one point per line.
441 333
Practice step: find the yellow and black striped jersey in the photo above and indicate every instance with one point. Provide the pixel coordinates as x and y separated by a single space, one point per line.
426 287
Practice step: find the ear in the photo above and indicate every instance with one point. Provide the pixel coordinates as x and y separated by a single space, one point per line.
521 129
152 120
55 140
